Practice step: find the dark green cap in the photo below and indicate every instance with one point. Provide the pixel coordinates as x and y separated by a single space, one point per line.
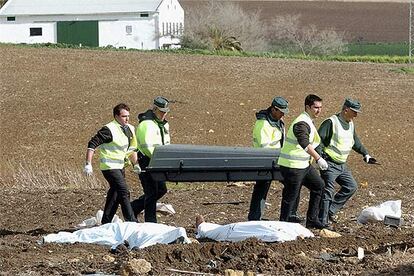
281 104
162 104
353 105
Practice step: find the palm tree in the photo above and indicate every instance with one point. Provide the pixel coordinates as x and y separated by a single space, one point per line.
220 41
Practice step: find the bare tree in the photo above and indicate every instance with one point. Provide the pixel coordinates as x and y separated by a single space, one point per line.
228 20
286 32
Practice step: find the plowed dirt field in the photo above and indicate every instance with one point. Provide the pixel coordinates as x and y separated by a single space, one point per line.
53 100
368 21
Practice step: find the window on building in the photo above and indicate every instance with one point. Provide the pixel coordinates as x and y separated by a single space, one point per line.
169 28
35 31
163 28
173 28
128 29
11 18
144 14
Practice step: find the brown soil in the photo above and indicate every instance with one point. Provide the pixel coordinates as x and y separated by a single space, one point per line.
54 100
384 21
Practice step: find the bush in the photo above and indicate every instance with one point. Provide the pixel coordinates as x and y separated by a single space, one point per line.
287 35
208 24
220 41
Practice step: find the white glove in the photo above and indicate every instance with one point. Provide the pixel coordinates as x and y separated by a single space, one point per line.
88 169
137 169
323 165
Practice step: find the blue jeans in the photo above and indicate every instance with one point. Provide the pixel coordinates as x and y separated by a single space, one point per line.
333 202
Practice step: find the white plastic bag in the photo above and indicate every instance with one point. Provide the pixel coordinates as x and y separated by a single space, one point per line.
96 220
165 209
377 213
99 216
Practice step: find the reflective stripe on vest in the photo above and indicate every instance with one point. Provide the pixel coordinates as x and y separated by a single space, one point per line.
113 154
149 136
292 154
341 142
266 136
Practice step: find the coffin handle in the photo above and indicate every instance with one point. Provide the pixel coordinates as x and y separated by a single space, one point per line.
180 167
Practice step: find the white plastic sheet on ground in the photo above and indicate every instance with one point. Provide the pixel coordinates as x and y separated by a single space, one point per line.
267 231
138 235
377 213
166 209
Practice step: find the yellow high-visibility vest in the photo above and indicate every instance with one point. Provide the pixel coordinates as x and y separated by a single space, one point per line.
341 142
114 154
292 155
266 136
150 135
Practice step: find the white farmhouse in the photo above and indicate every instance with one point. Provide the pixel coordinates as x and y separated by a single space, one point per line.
139 24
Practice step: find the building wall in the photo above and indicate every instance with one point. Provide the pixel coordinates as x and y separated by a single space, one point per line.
138 34
171 22
112 29
20 33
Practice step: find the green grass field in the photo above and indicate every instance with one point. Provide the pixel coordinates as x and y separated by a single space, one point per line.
379 52
377 49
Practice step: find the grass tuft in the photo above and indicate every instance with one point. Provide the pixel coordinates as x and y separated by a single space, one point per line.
404 70
28 176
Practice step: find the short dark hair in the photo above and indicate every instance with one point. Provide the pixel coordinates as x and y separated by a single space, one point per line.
119 107
311 99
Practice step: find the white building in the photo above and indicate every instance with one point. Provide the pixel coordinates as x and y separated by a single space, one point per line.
140 24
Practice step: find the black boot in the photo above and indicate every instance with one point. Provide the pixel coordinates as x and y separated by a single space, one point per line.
296 219
316 224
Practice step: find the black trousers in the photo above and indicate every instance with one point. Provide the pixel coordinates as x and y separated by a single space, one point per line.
153 191
118 193
258 200
293 181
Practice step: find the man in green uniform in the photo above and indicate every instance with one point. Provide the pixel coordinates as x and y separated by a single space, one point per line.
268 132
338 138
295 161
152 131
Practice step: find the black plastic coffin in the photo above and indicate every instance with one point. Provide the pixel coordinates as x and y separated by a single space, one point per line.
198 163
